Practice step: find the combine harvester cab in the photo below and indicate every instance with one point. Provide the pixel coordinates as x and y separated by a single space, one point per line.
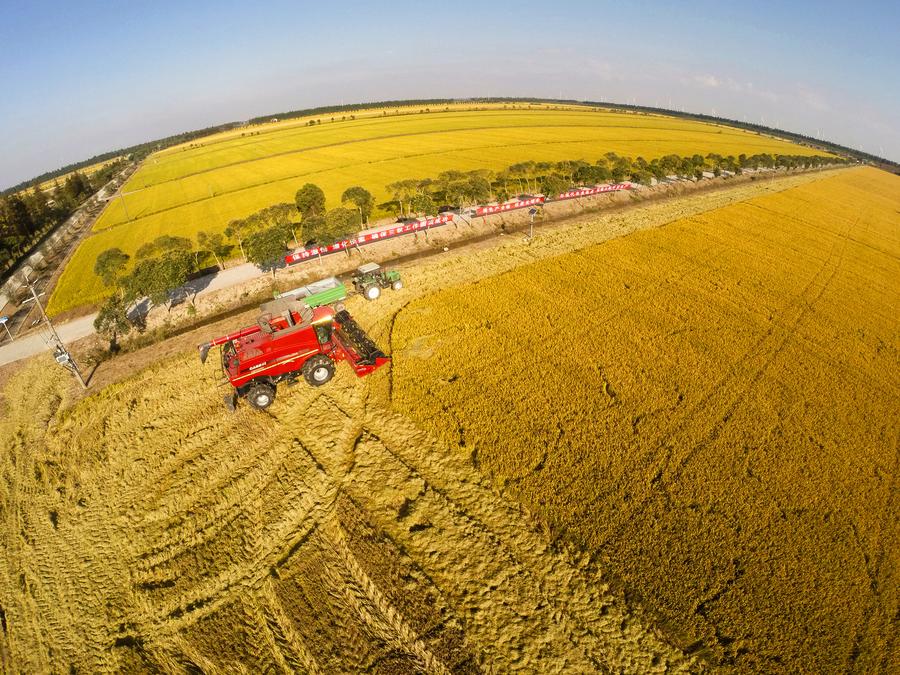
291 340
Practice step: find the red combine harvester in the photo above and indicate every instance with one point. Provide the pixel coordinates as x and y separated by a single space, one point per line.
290 340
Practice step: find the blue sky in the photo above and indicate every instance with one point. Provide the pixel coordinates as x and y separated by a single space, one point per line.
81 78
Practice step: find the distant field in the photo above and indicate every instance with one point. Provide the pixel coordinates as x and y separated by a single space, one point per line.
187 189
87 171
709 407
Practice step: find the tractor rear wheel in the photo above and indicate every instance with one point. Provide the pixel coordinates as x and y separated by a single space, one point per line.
318 370
397 285
261 395
372 292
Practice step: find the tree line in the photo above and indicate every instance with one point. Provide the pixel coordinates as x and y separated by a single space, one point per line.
263 237
458 189
27 216
165 264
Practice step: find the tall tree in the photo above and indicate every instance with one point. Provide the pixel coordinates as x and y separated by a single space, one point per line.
313 229
422 204
554 185
310 200
110 264
238 230
340 223
77 188
479 189
362 199
146 250
277 214
215 244
403 190
166 242
157 277
112 319
266 248
16 216
38 206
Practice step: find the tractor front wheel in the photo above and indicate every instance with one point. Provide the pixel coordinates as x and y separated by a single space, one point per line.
397 285
318 370
261 395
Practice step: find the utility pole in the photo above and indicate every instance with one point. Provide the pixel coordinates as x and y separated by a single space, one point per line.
5 321
531 212
60 353
124 205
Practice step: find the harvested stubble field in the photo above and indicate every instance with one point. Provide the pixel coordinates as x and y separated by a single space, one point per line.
144 527
204 186
711 408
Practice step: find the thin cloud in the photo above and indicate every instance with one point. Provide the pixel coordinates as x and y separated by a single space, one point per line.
710 81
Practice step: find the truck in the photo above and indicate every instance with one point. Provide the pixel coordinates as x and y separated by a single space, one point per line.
322 292
370 278
289 341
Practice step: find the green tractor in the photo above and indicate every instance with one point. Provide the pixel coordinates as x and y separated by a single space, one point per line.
370 278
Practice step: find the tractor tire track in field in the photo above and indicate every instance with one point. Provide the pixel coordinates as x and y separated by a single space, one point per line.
328 536
711 412
157 531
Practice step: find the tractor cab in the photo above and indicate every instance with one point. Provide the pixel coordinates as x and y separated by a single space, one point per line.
370 278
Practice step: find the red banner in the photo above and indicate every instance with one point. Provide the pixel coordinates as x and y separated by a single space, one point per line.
427 223
508 206
369 238
596 190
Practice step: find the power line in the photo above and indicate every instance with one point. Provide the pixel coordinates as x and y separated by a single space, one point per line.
60 353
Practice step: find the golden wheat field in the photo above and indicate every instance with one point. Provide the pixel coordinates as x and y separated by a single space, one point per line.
406 523
711 408
206 184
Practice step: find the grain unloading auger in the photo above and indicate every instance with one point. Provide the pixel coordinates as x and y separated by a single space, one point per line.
290 340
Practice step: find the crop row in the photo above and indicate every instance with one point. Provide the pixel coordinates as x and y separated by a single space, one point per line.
708 406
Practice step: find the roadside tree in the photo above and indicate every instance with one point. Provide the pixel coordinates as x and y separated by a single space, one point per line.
110 264
554 185
112 320
362 199
340 223
422 204
215 244
310 200
266 248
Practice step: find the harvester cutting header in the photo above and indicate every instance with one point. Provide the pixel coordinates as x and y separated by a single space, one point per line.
290 340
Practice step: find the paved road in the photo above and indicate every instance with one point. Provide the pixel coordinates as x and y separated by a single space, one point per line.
36 341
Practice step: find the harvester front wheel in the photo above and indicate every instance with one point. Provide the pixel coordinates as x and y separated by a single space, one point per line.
318 370
372 292
261 395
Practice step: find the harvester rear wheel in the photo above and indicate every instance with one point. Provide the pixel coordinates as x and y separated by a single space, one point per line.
261 395
318 370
